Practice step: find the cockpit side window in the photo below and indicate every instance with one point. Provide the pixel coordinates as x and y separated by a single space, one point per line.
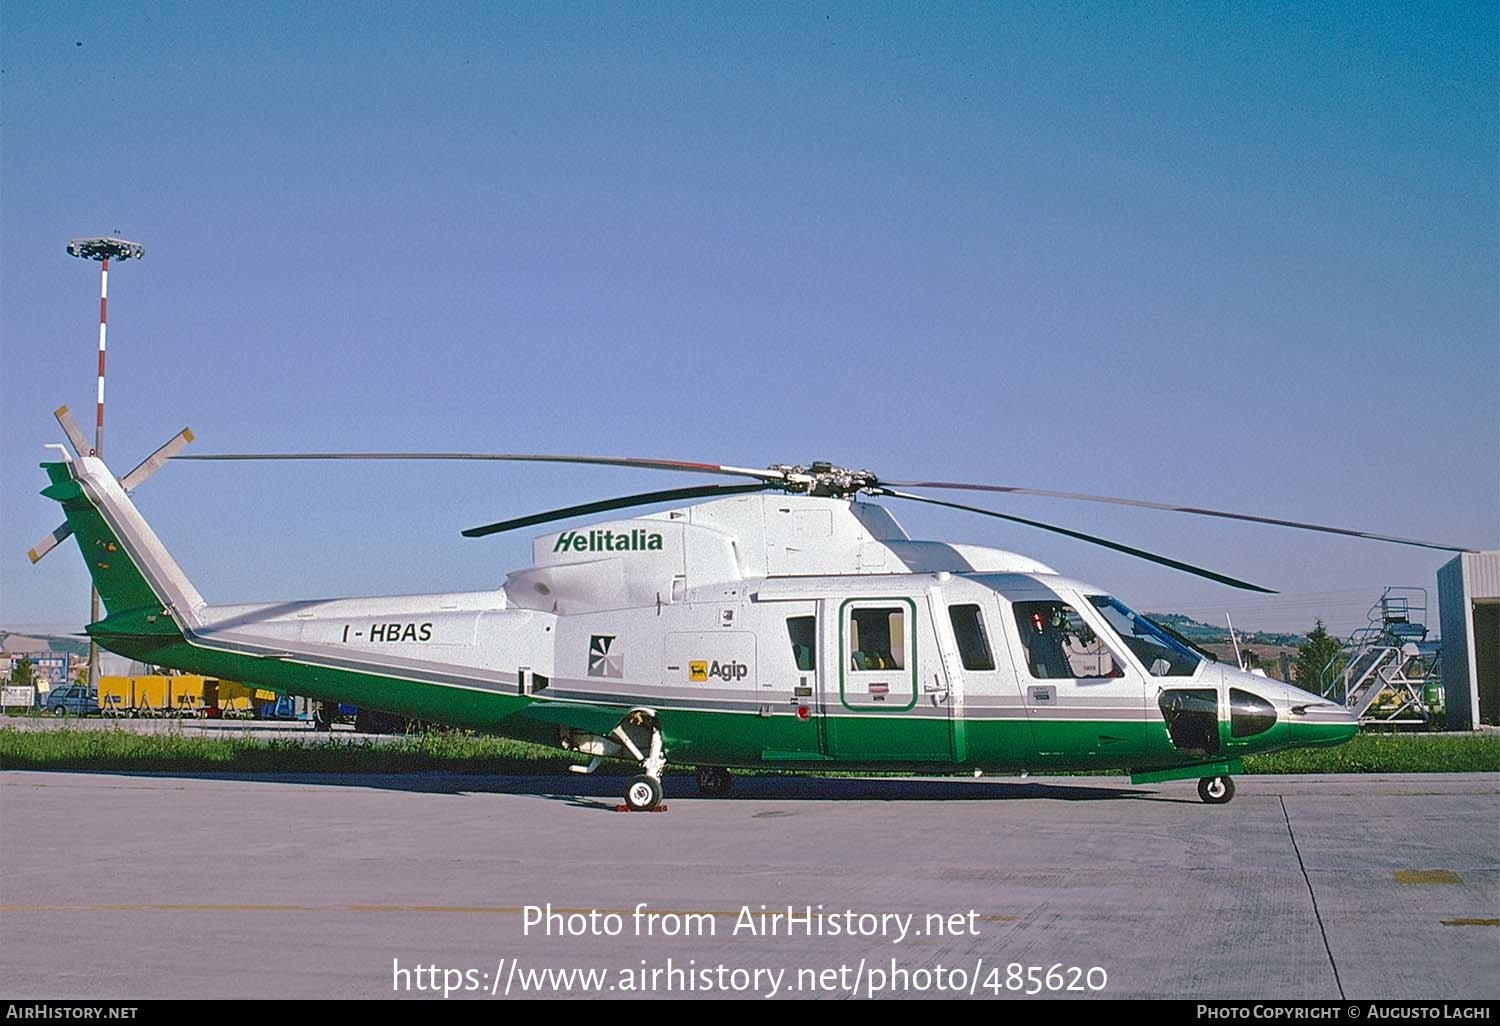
1161 654
1060 644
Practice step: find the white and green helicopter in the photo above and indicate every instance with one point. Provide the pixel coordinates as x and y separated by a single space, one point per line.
783 622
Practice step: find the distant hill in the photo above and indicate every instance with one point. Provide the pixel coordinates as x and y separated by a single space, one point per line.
1208 634
13 642
1267 650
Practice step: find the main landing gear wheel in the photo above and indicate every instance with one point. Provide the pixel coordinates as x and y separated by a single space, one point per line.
1216 790
714 781
637 730
642 794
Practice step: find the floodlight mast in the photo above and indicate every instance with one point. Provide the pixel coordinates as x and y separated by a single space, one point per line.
101 249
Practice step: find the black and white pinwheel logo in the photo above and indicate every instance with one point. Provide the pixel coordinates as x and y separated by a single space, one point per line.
602 662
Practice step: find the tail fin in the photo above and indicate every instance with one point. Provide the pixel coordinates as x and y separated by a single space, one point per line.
130 566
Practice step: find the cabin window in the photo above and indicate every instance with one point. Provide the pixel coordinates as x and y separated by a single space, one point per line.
1060 644
968 631
804 637
877 638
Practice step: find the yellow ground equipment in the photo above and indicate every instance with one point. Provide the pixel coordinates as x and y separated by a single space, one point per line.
177 695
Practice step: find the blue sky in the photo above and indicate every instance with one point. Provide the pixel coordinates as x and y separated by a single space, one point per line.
1240 256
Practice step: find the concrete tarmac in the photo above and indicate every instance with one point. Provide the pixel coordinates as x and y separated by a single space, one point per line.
1333 887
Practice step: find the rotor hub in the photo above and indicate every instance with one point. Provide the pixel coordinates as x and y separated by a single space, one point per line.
824 479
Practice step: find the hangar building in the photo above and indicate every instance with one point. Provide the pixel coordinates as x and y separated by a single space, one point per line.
1469 610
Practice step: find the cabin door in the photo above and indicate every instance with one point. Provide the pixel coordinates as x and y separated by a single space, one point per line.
886 693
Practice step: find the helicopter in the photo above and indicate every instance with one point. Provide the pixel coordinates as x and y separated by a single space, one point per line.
781 620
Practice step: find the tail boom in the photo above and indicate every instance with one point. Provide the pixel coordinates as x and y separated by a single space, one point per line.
154 614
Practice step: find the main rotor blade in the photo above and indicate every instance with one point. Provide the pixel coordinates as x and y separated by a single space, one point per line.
1199 511
605 505
1128 550
603 461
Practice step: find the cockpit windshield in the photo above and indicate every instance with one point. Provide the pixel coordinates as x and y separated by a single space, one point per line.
1161 654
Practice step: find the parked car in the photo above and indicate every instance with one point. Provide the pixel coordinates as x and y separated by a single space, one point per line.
73 700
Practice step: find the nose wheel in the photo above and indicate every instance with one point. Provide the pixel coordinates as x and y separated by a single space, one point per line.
1216 790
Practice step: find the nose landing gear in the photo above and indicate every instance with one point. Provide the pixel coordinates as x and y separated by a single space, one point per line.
1215 785
1216 790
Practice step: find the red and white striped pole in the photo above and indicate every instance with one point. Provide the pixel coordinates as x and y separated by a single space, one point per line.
101 249
98 451
103 307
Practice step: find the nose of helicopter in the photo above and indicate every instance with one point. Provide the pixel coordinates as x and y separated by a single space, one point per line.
1318 722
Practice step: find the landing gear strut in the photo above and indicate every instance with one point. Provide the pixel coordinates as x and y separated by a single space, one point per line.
714 781
1216 790
643 792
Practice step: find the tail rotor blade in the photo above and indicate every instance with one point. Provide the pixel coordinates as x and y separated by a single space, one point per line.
1197 571
60 534
158 459
79 440
148 466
